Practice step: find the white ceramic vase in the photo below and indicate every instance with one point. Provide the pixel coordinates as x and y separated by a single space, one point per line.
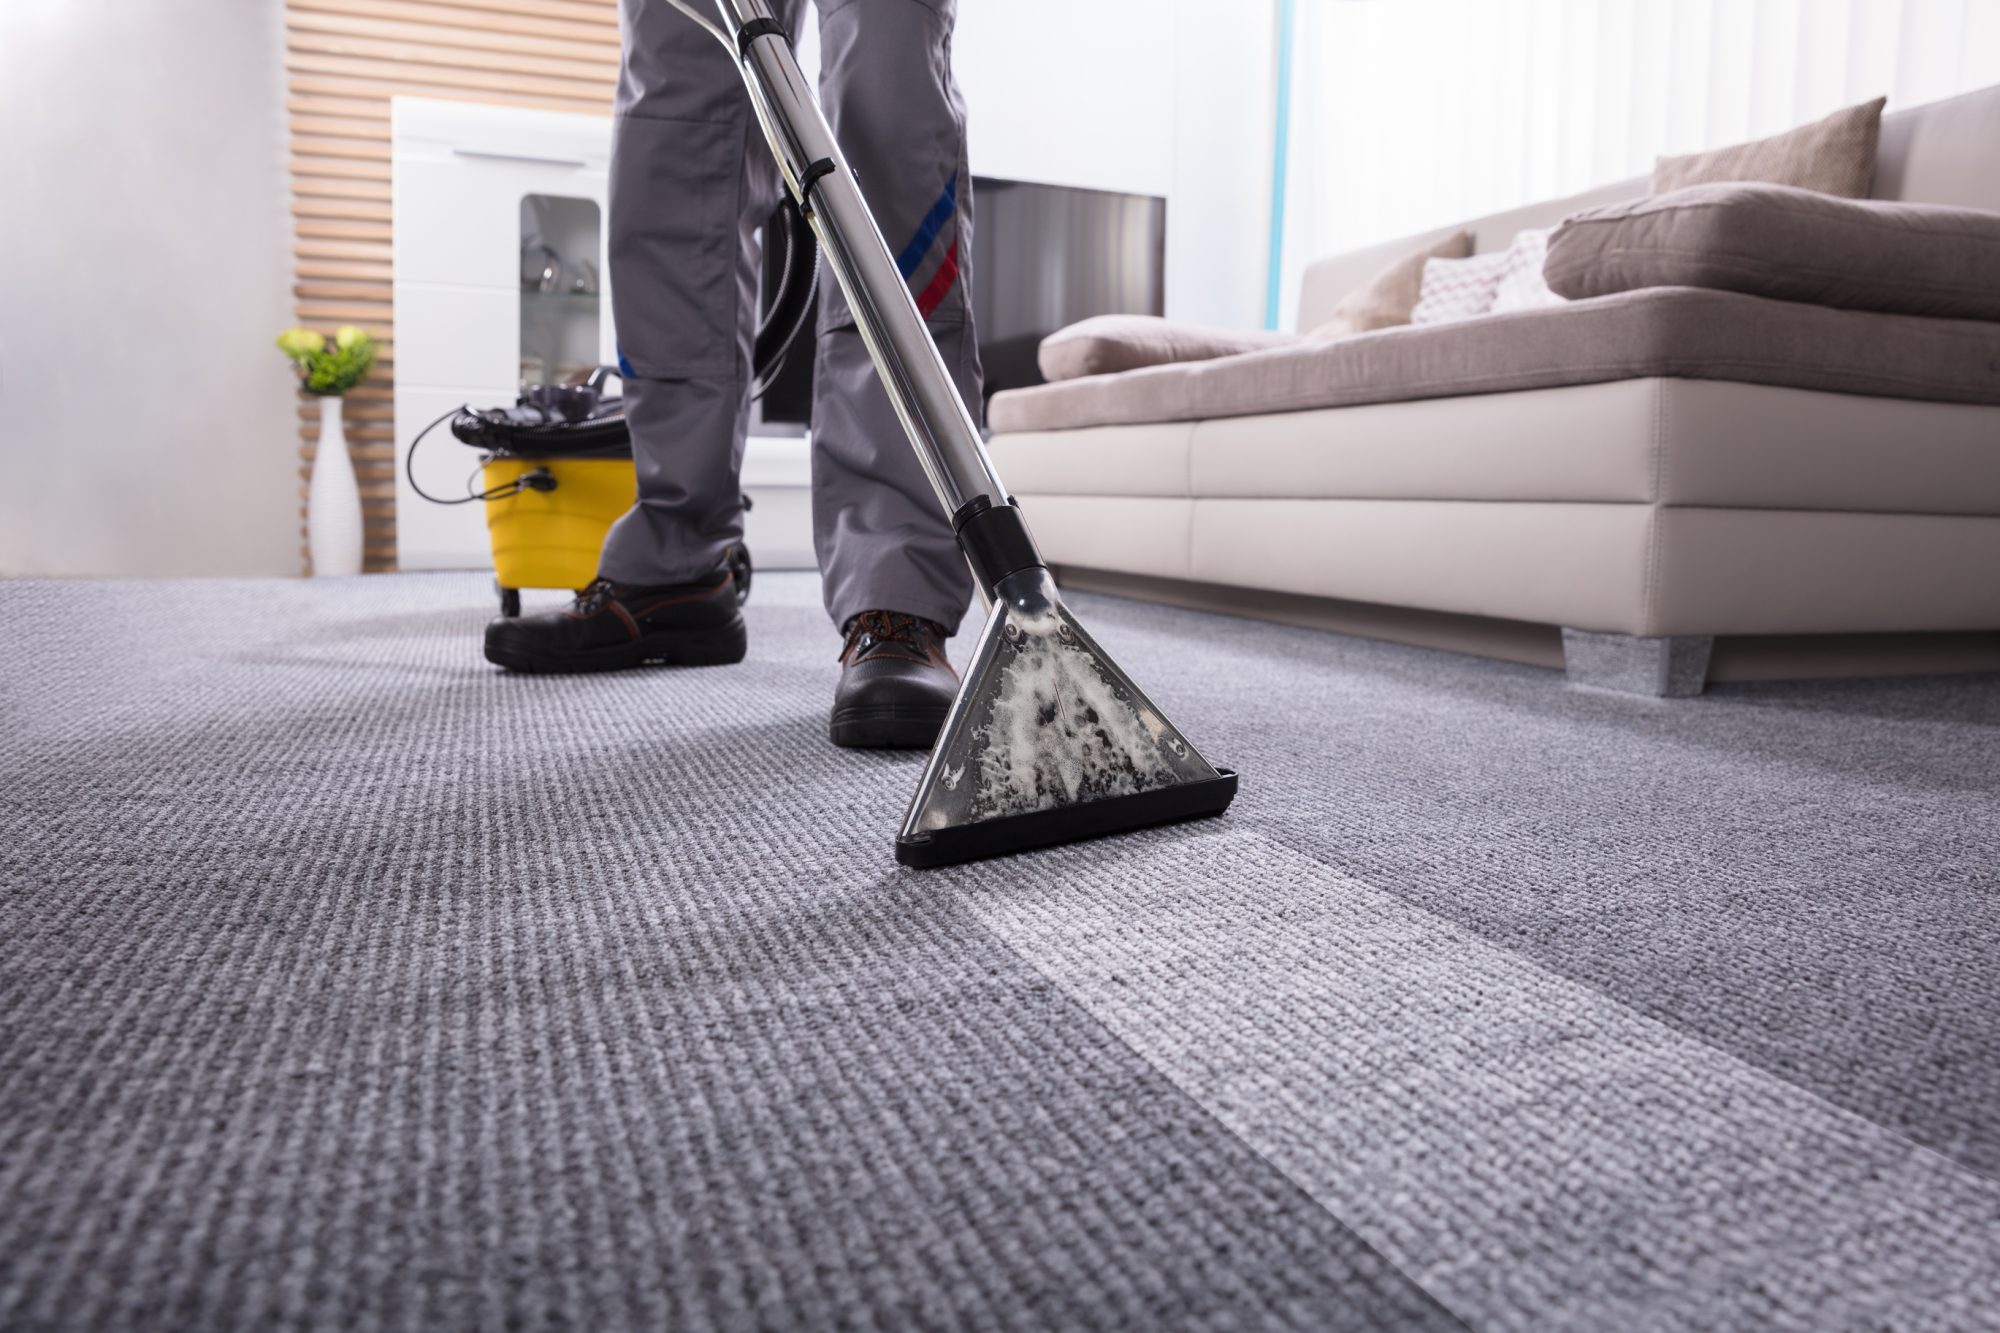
333 500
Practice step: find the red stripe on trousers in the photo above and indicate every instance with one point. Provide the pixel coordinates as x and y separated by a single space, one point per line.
934 291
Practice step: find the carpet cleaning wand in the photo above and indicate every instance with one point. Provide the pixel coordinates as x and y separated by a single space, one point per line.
1048 741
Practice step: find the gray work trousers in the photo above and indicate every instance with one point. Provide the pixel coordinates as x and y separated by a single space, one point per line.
691 176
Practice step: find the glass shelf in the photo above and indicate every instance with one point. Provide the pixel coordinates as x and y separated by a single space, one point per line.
561 237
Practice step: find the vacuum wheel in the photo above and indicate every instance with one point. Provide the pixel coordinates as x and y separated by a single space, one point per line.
738 560
510 601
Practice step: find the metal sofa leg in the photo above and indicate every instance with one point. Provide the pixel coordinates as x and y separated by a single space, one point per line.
1673 666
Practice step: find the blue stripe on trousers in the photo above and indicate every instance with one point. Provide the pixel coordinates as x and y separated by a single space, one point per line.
920 244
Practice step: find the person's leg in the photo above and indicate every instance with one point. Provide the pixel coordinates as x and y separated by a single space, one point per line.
690 177
885 80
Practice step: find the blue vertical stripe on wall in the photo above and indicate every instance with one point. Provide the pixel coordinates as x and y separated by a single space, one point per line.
1280 153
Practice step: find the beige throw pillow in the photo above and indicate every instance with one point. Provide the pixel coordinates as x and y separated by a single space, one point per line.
1107 344
1834 156
1386 300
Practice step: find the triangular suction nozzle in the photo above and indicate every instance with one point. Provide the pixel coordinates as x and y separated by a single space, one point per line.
1049 742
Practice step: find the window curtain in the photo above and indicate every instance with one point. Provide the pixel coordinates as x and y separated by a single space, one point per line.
1406 115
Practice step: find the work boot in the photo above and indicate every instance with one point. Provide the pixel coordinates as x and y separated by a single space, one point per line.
895 683
615 625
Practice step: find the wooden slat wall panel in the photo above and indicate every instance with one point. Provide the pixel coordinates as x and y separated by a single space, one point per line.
344 59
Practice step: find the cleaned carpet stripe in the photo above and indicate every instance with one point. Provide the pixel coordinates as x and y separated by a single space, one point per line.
1533 1152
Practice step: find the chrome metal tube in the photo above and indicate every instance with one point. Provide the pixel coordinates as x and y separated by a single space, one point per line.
1047 741
940 428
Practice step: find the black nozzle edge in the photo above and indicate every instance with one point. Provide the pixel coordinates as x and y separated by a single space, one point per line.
1200 799
995 539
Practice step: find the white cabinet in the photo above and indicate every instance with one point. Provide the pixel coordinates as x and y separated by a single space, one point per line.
458 174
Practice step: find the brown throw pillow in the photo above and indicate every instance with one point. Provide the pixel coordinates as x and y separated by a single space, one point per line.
1835 155
1107 344
1787 245
1386 300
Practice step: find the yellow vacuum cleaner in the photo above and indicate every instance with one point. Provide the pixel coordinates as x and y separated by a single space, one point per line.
555 472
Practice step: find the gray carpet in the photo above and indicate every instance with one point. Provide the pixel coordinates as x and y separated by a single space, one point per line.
347 983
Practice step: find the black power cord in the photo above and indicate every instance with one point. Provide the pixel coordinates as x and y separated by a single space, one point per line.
535 479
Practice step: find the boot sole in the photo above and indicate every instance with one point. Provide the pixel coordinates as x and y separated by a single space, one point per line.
724 645
885 728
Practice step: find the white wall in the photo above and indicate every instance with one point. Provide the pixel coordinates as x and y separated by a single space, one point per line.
146 422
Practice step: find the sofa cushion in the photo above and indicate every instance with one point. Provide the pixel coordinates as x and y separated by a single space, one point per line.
1671 331
1787 244
1107 344
1652 441
1388 299
1834 155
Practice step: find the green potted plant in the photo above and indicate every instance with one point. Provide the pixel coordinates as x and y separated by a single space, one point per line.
328 368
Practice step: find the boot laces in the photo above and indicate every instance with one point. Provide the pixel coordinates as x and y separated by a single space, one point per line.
871 628
592 596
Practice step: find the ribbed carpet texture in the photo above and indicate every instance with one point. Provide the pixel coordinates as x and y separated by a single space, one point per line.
346 982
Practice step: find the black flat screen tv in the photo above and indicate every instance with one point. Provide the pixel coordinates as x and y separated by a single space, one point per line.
1043 256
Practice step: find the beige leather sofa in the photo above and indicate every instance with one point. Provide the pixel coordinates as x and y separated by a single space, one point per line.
1663 525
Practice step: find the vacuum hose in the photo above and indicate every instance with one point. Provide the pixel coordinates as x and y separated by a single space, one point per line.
798 281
